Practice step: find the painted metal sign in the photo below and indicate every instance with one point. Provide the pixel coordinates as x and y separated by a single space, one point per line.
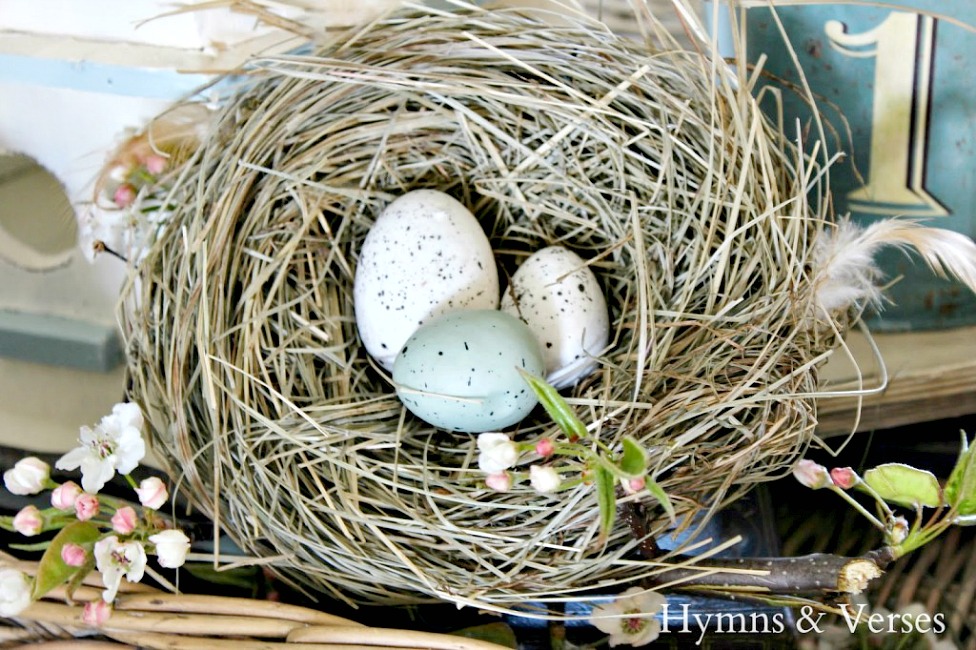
896 85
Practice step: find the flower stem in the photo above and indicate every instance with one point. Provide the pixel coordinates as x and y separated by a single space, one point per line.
857 506
882 504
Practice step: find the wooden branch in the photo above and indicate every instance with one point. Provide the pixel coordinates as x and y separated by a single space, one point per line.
819 573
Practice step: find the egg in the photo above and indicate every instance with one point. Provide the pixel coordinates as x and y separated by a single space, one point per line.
425 255
559 298
460 371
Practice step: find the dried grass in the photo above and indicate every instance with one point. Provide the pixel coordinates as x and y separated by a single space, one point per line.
654 163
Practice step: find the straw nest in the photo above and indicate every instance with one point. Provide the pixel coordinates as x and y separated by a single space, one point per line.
656 164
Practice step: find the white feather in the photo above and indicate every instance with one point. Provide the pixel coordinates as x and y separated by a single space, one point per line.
844 271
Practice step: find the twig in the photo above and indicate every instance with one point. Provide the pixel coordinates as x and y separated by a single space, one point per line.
818 573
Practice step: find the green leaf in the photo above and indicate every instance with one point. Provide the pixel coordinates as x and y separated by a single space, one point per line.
606 495
904 485
244 578
960 489
30 548
498 633
79 576
52 571
555 406
658 493
633 460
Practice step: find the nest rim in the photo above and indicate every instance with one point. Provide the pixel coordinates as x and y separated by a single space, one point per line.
365 503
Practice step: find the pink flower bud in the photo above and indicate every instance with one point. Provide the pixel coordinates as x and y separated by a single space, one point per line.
844 477
86 506
125 195
544 447
73 555
155 163
500 482
152 493
124 520
811 474
634 485
64 496
28 522
96 613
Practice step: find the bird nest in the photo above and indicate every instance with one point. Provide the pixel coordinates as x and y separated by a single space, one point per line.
655 164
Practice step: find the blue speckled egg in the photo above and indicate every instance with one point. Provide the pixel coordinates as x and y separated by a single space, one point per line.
460 371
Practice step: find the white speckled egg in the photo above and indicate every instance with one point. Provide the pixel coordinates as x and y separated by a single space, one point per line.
425 255
460 371
560 300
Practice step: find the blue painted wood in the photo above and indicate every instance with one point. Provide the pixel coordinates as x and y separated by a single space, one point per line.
59 341
154 83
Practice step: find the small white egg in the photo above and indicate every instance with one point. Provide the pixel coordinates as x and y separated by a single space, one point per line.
425 255
460 371
559 298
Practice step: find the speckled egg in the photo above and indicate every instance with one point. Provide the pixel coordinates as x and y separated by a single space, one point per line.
460 371
425 255
559 298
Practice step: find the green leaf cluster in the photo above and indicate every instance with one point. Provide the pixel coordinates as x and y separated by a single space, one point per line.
960 488
630 463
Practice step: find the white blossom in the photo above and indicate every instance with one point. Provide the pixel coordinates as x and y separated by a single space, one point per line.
115 444
115 560
171 548
126 231
28 476
15 592
498 452
629 619
544 479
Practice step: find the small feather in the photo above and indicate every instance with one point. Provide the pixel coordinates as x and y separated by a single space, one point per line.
845 273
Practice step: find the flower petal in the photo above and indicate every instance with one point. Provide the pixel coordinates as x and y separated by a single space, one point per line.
136 555
128 415
601 619
73 459
131 449
95 473
87 436
111 578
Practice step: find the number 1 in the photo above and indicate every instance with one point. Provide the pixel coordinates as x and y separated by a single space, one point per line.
903 49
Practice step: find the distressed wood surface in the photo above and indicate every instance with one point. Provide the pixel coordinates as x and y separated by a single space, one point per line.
932 376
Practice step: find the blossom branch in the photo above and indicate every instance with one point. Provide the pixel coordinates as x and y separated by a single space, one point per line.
94 533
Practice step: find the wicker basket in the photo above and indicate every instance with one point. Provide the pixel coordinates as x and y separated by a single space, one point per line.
145 617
